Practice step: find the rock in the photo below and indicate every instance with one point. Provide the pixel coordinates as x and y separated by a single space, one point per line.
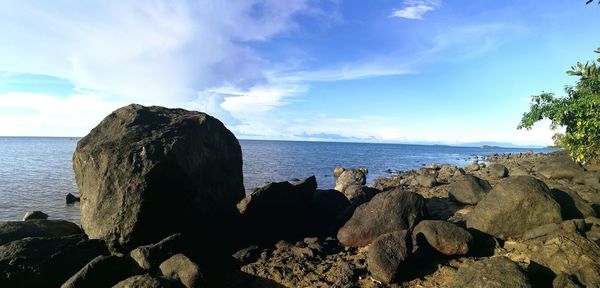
358 194
277 211
497 272
103 271
32 215
389 211
469 190
70 198
445 237
327 211
14 230
247 255
337 171
147 281
567 252
150 256
572 206
181 268
473 167
519 171
45 262
591 179
428 181
564 280
560 167
497 170
350 177
178 171
387 254
513 206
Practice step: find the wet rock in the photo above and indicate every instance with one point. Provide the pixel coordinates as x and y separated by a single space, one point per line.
147 281
496 272
32 215
178 171
469 190
513 206
70 198
497 170
181 268
14 230
103 271
150 256
428 181
46 262
350 177
387 255
445 237
389 211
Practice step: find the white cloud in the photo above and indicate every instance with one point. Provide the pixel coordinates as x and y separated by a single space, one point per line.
26 114
415 9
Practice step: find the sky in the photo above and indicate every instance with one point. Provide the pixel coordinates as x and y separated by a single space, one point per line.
412 71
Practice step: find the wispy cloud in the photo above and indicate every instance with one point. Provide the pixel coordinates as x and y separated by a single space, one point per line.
415 9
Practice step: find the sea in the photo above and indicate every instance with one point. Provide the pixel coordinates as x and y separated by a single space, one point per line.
36 172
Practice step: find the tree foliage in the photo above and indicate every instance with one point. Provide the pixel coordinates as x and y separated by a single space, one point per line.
578 112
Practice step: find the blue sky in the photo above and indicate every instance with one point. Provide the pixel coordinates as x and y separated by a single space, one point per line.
415 71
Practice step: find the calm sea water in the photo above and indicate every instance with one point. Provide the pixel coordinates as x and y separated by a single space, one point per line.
36 173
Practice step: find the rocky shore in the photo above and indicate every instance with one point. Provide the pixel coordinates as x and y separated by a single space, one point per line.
163 205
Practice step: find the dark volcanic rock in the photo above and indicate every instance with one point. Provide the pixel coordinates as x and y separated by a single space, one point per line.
389 211
564 280
181 268
350 177
147 281
45 262
513 206
428 181
559 167
445 237
328 210
496 272
147 172
15 230
103 271
387 254
277 211
469 189
33 215
571 204
150 256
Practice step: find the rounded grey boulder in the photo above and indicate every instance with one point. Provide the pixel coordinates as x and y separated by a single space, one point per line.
145 173
514 206
469 189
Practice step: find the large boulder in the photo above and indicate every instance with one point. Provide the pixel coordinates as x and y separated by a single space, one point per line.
350 177
513 206
389 211
469 189
387 254
14 230
32 215
148 281
559 167
147 172
45 262
358 194
497 170
496 272
572 206
278 210
445 237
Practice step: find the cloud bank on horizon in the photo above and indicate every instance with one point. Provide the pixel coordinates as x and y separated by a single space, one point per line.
298 70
